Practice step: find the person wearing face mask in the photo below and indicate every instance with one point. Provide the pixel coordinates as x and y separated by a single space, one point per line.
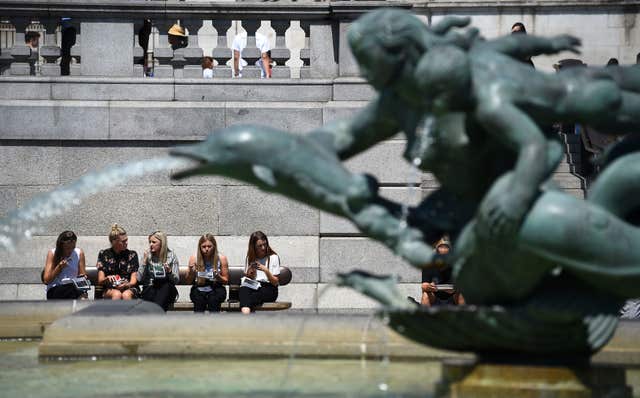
262 267
64 262
208 292
118 267
160 272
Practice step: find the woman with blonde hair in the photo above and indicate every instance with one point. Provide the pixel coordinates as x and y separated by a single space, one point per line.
66 261
160 272
262 267
208 292
118 267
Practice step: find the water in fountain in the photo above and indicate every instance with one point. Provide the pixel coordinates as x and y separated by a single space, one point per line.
26 221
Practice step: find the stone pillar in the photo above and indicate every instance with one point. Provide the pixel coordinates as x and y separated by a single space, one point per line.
20 52
323 42
346 60
107 48
50 51
193 53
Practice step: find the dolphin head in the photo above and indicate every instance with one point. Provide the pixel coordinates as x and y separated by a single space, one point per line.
223 148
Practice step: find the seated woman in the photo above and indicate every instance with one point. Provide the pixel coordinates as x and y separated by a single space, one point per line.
432 277
262 267
208 293
65 261
118 267
160 272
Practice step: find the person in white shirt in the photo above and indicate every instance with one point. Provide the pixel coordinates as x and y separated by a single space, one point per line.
262 267
239 43
264 63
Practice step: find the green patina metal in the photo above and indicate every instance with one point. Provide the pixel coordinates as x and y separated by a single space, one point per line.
542 272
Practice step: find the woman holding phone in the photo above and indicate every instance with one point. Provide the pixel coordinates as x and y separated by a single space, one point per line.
262 267
66 261
208 292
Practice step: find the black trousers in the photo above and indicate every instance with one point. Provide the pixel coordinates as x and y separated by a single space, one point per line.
62 292
208 300
251 298
163 293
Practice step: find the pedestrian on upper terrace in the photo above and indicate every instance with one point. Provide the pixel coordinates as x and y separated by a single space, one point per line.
68 40
118 267
519 29
32 39
237 46
207 67
208 292
432 294
65 261
177 37
160 272
262 267
264 63
613 62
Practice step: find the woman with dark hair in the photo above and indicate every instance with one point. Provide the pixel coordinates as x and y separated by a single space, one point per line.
262 267
519 29
118 267
208 291
66 261
160 272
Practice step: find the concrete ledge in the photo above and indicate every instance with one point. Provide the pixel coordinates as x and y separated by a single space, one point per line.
270 335
23 319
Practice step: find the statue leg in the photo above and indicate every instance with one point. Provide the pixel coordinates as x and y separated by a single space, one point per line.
616 187
586 240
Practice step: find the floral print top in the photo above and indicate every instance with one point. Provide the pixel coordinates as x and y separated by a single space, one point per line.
124 263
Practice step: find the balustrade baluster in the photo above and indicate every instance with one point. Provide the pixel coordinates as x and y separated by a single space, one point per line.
20 52
223 49
162 51
251 53
295 40
50 51
192 53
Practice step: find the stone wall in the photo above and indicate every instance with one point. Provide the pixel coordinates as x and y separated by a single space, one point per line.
55 129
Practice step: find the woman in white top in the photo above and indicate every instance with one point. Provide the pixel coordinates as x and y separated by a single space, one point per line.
262 267
63 263
159 272
208 293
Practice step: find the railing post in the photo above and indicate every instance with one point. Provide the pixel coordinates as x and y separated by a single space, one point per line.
222 53
192 53
20 52
162 52
50 51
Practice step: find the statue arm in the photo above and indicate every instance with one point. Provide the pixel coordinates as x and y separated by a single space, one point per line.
447 23
515 129
523 46
375 123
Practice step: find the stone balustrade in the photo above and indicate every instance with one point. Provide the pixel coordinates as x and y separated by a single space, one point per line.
306 38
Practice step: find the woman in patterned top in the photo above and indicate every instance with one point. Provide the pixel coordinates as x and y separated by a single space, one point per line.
208 292
118 267
160 272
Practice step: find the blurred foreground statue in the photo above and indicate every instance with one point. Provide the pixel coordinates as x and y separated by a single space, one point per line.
542 272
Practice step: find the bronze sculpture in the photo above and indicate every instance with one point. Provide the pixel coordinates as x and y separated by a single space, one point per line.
475 117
